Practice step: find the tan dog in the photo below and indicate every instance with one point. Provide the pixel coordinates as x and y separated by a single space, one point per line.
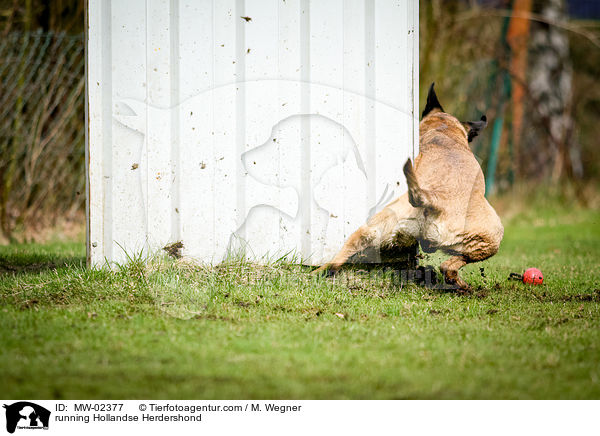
444 208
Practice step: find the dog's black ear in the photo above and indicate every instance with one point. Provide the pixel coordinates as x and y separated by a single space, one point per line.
474 127
432 102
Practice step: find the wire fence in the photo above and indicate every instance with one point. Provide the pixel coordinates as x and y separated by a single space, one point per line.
42 162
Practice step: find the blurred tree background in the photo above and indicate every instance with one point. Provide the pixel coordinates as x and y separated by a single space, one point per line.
42 83
531 66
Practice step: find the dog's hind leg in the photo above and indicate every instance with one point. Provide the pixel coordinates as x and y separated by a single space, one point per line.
476 245
474 249
360 240
380 230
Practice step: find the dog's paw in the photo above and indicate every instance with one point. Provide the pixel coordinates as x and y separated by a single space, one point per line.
454 282
324 271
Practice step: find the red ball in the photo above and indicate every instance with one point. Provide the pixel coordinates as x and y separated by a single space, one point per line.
533 276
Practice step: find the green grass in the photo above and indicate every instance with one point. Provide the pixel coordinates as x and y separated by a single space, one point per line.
173 330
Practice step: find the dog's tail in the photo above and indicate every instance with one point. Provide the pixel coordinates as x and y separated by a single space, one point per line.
416 196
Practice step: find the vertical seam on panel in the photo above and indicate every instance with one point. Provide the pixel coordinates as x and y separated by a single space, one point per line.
415 69
371 93
343 216
175 118
240 39
280 246
107 212
410 15
305 188
212 121
146 126
88 216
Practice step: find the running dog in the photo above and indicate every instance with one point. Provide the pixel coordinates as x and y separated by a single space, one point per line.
445 207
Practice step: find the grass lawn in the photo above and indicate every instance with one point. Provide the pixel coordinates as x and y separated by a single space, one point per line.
172 330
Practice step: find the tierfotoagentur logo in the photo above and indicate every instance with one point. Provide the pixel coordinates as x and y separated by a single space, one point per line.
26 415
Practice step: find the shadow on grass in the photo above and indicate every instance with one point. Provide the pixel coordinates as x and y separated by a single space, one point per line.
15 263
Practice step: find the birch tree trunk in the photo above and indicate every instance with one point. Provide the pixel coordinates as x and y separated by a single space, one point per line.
550 86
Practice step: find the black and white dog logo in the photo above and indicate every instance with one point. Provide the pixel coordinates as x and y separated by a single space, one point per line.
26 415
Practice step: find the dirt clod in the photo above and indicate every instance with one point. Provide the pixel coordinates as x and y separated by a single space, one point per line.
174 249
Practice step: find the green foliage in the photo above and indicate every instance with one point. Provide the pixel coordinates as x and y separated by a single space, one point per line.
171 329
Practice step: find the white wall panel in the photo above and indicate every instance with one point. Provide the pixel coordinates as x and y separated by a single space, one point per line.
278 133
